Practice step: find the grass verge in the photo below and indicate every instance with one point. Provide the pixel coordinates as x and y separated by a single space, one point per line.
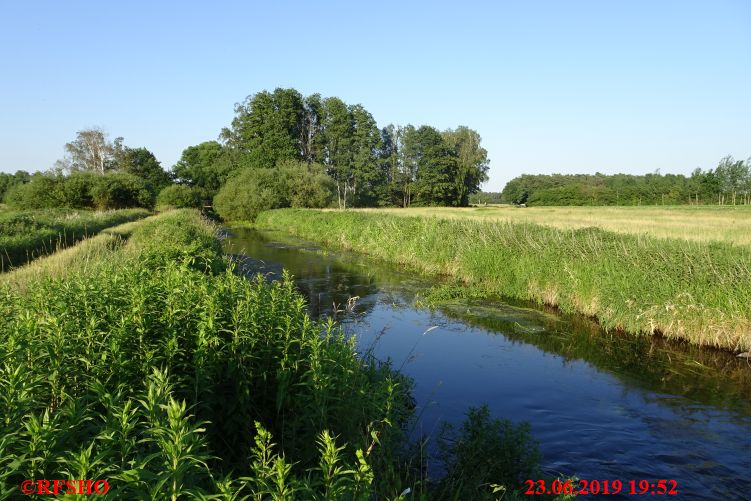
695 291
26 235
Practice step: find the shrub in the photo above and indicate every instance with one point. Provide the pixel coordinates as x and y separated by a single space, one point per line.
249 193
178 196
74 191
41 192
291 184
119 191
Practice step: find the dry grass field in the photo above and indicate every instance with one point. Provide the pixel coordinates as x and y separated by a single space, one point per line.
730 224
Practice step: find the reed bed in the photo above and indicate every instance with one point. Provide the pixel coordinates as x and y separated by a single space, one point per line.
695 291
26 235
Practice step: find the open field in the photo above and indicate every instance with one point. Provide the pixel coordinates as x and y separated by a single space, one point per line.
699 291
26 235
731 224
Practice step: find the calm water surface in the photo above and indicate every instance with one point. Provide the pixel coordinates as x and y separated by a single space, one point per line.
602 406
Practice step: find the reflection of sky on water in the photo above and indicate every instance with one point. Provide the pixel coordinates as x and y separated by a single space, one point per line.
602 406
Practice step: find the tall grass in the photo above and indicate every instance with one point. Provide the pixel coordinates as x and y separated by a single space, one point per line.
26 235
730 224
695 291
160 370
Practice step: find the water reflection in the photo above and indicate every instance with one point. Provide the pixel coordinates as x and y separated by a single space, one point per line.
603 405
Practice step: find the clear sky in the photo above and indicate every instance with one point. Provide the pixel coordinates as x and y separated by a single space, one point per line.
551 86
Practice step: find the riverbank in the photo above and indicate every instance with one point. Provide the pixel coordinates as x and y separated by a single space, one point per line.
138 357
28 234
699 292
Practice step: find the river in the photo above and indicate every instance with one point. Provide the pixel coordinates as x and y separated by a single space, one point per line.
603 406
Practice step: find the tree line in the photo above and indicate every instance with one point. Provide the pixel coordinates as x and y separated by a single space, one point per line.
369 166
727 184
281 149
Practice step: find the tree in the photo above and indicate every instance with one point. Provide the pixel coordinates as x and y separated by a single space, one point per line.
205 167
733 176
337 147
90 151
366 179
267 127
471 162
142 163
435 164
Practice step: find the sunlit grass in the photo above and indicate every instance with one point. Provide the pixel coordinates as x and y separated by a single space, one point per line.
731 224
699 291
27 235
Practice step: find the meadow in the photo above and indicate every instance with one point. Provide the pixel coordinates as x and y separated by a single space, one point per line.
704 223
693 290
28 234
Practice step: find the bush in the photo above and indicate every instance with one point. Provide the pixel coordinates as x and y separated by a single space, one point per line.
249 193
41 192
291 184
119 191
178 196
74 191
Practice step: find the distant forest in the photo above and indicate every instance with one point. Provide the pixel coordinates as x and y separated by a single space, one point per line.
728 184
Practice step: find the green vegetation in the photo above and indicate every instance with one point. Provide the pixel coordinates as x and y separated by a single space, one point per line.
696 291
81 190
177 196
157 368
25 235
150 369
728 183
368 166
292 184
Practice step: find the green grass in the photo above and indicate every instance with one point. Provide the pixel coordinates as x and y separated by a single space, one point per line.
26 235
695 291
139 357
730 224
150 366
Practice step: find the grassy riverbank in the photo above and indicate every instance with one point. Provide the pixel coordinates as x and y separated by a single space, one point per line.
139 357
26 235
150 366
695 291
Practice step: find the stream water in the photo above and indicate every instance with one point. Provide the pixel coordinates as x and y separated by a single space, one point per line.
602 406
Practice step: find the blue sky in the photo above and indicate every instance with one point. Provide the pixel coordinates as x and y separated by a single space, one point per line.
575 86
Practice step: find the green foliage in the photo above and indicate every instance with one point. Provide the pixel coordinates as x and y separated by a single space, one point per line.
41 192
729 183
8 181
370 167
150 368
121 190
248 193
178 196
267 127
486 197
205 167
292 184
142 163
635 283
482 452
25 235
435 166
